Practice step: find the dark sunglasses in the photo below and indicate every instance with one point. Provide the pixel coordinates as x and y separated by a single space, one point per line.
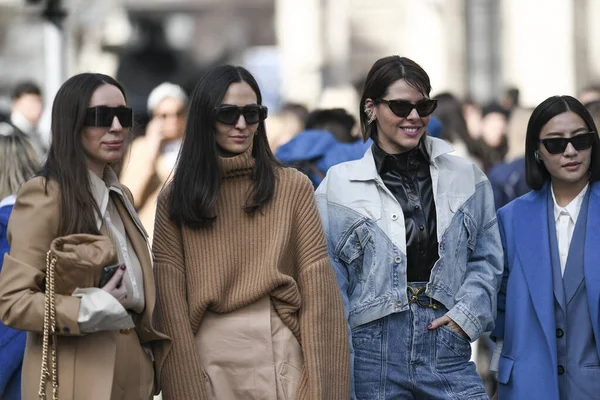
230 114
403 108
103 116
559 145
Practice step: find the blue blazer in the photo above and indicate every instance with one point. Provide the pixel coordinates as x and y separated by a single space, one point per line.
526 319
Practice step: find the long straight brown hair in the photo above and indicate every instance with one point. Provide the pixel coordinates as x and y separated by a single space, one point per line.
67 163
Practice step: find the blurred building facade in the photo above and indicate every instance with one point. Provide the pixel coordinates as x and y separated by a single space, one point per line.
312 51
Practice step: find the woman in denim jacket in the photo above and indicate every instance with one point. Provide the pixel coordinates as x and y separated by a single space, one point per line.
548 328
414 242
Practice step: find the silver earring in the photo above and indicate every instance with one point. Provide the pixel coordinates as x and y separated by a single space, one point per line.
370 115
536 155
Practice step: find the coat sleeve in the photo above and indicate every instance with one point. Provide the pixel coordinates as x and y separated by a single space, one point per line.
178 366
323 327
33 225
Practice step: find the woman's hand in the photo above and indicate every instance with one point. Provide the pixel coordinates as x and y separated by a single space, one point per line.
450 324
115 287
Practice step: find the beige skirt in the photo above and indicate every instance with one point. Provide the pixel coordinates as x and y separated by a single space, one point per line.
249 354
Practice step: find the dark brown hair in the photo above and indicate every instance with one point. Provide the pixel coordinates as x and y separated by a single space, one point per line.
536 173
67 162
197 177
382 75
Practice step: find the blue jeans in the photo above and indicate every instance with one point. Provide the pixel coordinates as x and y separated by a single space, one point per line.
397 357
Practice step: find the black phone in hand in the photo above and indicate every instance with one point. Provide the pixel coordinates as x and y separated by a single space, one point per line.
107 273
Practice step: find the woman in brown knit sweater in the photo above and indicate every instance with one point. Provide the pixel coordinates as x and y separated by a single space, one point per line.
245 286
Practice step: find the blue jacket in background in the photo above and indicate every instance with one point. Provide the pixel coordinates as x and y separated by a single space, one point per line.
508 181
12 342
315 151
322 150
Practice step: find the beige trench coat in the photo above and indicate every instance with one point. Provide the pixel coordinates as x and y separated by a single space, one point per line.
86 362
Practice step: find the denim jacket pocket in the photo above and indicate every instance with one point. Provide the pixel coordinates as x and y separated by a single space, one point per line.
354 247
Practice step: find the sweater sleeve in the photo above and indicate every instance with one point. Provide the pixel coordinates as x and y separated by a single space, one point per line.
178 366
324 332
32 227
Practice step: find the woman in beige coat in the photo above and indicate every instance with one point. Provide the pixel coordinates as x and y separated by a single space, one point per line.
106 334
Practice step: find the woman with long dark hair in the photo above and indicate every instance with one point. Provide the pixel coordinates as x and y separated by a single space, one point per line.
105 329
245 286
548 328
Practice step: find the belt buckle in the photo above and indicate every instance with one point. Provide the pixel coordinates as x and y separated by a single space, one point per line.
414 298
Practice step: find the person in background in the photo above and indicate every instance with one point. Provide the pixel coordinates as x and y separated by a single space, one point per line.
26 111
589 93
508 178
548 327
454 128
326 141
494 123
245 285
152 157
18 163
594 109
510 100
472 114
412 236
105 333
284 126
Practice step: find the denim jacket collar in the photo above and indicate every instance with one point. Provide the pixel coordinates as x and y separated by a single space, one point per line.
366 170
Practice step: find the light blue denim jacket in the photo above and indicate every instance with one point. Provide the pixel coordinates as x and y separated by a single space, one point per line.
364 225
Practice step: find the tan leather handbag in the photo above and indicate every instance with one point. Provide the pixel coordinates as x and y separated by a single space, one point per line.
73 261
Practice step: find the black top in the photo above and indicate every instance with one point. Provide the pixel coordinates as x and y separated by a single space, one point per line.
407 176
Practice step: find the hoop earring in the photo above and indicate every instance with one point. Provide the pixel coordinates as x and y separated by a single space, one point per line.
536 155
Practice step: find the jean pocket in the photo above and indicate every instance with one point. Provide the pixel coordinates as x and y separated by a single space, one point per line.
368 333
452 344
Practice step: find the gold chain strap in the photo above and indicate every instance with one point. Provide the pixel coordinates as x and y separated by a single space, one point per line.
49 333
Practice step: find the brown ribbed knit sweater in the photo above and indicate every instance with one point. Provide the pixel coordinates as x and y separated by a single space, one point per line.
278 252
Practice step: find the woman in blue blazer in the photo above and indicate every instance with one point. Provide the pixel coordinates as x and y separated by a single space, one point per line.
547 328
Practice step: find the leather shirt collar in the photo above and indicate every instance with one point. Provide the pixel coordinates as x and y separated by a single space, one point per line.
410 160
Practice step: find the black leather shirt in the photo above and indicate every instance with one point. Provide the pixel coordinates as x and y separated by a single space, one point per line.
407 176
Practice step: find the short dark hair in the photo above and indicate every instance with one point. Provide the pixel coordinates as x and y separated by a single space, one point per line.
195 187
26 87
382 75
335 120
536 173
67 162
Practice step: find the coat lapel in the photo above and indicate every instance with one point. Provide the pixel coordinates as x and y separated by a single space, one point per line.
574 270
140 246
531 220
591 262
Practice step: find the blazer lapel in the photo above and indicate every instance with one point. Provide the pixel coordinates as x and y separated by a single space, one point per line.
591 262
531 221
574 270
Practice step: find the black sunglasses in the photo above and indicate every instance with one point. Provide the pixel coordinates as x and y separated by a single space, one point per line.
229 114
103 116
403 108
559 145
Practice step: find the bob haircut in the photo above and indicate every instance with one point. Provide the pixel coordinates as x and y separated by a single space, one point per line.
195 187
67 162
536 173
382 75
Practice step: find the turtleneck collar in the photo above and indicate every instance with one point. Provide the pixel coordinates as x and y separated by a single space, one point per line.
241 164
